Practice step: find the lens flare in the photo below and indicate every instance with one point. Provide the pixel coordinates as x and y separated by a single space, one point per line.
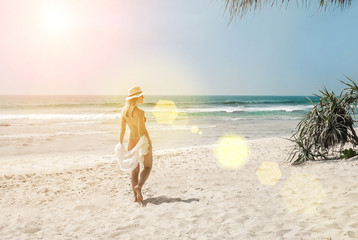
269 173
194 129
303 193
165 112
231 152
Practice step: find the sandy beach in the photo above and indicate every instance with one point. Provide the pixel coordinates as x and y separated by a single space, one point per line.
187 196
220 87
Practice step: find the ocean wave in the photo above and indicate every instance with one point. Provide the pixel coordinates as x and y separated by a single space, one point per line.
191 111
115 105
240 109
60 105
284 102
267 117
180 102
178 127
59 116
48 136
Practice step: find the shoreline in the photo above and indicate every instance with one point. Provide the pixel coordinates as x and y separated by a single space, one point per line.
57 162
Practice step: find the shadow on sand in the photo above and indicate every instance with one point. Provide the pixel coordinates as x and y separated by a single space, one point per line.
165 199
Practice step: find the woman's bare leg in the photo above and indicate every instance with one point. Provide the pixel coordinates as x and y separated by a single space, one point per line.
135 172
148 160
134 179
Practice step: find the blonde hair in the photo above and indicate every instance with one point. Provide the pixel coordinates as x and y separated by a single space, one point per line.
129 107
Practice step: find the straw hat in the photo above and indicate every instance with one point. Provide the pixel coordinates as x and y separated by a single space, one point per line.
134 92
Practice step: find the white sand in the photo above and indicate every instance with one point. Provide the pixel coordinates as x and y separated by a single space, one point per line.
187 196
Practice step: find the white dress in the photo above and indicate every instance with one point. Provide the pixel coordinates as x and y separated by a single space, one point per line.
128 160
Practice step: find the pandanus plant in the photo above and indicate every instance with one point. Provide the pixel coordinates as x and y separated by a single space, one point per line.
328 126
241 7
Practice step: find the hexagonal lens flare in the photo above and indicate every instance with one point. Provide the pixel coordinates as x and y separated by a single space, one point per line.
303 193
165 112
232 152
269 173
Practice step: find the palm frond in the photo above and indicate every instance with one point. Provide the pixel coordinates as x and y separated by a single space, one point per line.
241 7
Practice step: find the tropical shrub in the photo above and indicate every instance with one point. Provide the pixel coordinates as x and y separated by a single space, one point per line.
327 127
348 153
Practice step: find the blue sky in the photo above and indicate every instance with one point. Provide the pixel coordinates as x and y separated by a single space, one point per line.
188 47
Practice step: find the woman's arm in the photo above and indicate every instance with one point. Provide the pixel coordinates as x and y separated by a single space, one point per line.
123 130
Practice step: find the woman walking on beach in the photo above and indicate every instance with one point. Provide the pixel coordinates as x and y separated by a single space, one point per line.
139 144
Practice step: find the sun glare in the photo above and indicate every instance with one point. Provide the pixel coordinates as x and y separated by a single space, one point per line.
232 152
55 19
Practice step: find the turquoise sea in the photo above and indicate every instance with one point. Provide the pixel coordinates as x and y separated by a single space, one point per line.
92 123
264 107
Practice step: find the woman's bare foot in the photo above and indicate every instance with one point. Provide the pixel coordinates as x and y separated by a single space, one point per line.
137 189
135 197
